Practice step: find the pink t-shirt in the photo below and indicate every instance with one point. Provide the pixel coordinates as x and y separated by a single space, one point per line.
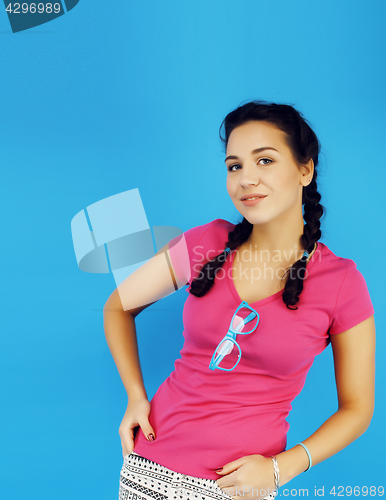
204 418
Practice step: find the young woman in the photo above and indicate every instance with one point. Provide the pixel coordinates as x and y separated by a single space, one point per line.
265 297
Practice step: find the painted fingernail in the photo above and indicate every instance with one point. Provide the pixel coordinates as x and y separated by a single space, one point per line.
219 469
150 437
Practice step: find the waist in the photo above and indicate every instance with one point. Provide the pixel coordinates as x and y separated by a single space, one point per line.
196 443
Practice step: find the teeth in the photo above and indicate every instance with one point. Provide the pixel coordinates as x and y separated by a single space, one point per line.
255 198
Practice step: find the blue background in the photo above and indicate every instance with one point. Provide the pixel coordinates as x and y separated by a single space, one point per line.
120 95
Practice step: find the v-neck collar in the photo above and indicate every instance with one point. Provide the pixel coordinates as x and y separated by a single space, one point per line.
266 300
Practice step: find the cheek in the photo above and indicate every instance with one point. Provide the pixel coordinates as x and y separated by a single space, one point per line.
287 191
230 186
286 184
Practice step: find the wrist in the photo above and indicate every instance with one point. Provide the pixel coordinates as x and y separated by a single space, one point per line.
291 463
136 394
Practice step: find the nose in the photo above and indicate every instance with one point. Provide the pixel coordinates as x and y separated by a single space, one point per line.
249 175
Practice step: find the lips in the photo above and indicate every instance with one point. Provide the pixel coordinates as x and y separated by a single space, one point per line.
253 195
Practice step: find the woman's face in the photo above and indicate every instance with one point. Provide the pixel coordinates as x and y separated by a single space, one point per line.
270 171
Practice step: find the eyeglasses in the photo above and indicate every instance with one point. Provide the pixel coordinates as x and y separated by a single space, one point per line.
226 352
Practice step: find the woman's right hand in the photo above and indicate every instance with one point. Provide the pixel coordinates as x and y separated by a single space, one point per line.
137 413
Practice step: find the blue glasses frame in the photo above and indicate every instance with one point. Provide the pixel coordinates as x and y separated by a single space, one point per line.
230 338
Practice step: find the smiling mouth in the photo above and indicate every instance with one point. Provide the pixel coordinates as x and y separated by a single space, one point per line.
252 196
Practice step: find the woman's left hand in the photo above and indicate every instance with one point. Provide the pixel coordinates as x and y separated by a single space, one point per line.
249 477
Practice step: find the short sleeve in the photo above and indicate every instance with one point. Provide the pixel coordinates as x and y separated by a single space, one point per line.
353 303
186 252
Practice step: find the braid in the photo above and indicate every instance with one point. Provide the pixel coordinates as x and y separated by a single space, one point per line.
205 281
313 211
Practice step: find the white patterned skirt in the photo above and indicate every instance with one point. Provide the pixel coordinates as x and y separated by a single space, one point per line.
143 479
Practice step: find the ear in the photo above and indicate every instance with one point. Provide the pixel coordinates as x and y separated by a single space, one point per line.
307 171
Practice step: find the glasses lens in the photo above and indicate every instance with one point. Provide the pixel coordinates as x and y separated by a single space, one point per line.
227 354
245 320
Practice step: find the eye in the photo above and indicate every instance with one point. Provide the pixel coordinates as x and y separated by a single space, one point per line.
230 168
266 159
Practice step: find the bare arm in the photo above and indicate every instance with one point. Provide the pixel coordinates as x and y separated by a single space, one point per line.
121 337
152 281
354 361
145 286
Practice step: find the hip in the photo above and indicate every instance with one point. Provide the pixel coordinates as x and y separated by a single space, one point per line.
142 478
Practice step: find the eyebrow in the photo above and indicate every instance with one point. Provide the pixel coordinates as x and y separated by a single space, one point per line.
259 150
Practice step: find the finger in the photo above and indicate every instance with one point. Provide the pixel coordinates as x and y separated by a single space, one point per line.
233 466
147 429
228 481
229 489
126 433
126 450
127 442
231 492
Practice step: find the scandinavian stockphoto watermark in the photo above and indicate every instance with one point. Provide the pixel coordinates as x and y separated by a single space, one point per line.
254 265
25 15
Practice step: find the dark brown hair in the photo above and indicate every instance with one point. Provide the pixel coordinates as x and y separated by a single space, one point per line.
304 145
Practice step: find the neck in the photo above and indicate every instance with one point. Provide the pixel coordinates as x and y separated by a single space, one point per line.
278 240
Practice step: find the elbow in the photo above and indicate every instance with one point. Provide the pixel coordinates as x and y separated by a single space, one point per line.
113 303
105 309
109 307
365 419
368 417
361 416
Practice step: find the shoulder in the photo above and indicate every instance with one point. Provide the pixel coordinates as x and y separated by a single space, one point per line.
213 231
220 226
216 232
332 264
209 238
342 281
346 289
